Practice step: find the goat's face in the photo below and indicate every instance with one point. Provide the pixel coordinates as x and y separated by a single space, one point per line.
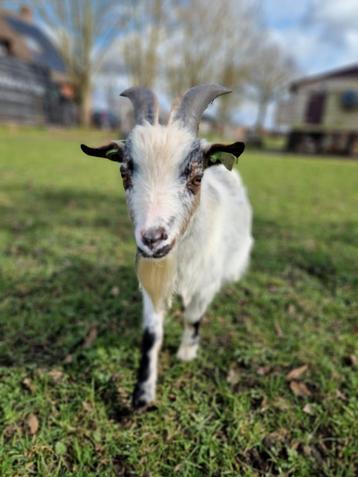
162 170
162 166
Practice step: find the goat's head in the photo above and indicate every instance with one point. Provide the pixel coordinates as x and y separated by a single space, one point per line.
162 166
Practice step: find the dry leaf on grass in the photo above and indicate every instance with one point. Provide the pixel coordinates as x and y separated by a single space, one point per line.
341 395
300 389
28 384
291 309
278 436
264 406
10 430
87 406
91 337
115 291
278 329
32 424
233 376
308 409
56 375
263 370
281 404
68 359
296 373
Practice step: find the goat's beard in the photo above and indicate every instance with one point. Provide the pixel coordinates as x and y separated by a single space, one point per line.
157 277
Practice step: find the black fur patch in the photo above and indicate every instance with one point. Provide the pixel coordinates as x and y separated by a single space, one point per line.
147 344
138 399
196 329
193 159
143 371
127 166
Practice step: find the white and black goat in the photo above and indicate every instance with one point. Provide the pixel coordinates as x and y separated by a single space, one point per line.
191 216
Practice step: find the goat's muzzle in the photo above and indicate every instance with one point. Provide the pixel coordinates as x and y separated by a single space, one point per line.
158 252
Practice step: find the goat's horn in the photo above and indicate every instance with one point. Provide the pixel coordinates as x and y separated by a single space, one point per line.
194 103
145 104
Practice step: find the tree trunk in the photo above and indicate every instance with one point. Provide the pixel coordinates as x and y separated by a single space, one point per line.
85 105
261 115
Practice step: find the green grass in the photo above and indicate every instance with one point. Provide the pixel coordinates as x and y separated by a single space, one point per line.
70 303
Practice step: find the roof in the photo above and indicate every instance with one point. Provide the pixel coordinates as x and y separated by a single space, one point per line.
16 44
41 49
350 71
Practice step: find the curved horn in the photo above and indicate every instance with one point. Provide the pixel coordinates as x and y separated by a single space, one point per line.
145 104
194 103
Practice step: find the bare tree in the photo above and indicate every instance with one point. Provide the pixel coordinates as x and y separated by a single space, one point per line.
140 49
84 30
272 70
212 43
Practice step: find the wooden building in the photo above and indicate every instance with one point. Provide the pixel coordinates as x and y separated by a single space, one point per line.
34 84
321 113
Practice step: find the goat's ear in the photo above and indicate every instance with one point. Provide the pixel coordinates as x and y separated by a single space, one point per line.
225 154
112 151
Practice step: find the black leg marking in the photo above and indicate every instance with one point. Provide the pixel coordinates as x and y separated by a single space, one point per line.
147 344
196 329
143 371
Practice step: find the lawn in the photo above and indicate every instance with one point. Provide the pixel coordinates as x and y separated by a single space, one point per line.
274 390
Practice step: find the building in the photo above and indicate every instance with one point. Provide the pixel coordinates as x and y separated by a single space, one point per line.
321 113
34 84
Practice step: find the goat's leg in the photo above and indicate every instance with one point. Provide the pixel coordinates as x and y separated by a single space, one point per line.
192 319
144 391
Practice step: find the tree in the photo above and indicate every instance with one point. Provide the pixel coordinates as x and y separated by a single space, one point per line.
211 43
84 30
140 48
269 75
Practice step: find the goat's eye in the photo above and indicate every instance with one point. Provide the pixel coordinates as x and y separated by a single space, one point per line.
194 183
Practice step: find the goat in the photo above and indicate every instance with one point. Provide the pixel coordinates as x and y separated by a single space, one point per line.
192 218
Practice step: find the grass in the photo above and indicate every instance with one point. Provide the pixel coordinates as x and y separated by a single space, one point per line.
70 317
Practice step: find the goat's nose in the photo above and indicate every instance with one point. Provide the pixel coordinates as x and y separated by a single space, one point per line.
154 236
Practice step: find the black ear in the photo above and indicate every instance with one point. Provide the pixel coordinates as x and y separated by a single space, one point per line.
112 151
225 154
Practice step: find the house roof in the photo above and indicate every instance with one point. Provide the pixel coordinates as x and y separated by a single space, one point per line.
41 49
350 71
15 43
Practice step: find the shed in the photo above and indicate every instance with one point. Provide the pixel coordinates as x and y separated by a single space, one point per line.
321 113
34 84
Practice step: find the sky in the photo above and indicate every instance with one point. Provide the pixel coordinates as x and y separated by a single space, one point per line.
320 34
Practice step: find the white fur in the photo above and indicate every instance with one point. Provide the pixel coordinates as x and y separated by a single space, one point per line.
213 247
157 151
216 247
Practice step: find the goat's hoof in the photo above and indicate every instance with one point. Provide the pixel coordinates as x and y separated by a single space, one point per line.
187 352
141 398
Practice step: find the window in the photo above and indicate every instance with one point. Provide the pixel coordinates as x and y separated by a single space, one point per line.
349 100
